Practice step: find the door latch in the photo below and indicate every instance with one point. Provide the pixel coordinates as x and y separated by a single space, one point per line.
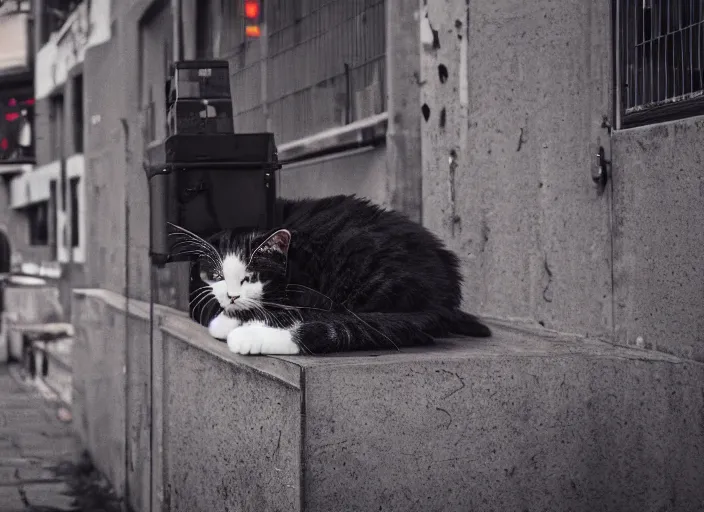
600 169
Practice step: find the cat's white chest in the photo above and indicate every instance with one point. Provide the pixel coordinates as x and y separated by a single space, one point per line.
258 338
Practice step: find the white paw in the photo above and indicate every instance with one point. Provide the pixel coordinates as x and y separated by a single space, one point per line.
222 325
262 339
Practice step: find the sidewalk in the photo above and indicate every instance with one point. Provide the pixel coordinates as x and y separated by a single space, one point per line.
41 468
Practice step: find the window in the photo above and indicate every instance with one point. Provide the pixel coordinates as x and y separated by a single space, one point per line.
78 114
661 76
326 65
38 216
54 14
56 124
75 212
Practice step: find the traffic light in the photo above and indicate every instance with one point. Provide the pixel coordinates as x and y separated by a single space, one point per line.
252 15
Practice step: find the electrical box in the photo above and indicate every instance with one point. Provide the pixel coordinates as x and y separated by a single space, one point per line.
204 177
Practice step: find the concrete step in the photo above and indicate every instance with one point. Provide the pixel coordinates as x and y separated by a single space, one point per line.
520 421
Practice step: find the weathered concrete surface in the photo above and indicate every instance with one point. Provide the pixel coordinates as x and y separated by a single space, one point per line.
519 421
659 237
362 173
138 418
507 153
105 169
99 384
514 424
241 449
403 141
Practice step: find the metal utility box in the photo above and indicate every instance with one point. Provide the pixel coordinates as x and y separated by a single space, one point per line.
204 177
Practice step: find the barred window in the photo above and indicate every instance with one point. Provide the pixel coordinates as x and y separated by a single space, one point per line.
324 65
660 47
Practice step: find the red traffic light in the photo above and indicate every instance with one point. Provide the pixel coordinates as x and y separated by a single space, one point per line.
251 9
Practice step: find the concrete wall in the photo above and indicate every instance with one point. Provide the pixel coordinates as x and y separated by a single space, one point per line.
523 421
106 164
507 154
658 237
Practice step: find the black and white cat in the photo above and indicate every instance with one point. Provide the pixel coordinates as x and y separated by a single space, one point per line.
338 274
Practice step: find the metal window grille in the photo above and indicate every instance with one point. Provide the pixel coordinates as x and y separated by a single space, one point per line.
661 43
325 66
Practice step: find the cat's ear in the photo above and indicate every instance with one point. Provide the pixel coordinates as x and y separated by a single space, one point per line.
277 242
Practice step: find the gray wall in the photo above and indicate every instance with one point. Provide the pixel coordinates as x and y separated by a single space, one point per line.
106 169
528 85
659 237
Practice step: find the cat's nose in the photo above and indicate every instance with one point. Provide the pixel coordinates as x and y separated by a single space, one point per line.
233 298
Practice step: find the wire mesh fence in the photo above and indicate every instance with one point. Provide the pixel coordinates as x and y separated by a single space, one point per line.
662 42
325 66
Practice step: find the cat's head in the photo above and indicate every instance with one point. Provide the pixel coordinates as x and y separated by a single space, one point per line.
248 269
239 271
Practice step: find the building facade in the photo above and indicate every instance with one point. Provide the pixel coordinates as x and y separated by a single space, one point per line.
493 124
23 231
45 188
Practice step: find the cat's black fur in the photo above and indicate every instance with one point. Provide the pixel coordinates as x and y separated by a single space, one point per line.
359 277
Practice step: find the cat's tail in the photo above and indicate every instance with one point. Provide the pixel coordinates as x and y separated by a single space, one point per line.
459 322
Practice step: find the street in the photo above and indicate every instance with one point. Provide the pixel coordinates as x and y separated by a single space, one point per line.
41 466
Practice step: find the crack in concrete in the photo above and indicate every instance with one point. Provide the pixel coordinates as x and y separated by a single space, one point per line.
462 384
521 141
548 272
449 422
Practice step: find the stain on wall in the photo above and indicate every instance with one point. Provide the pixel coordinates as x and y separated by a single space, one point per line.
526 89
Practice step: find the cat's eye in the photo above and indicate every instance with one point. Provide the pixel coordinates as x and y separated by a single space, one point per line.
245 280
208 276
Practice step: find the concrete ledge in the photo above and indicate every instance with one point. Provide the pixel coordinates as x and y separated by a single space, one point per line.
517 422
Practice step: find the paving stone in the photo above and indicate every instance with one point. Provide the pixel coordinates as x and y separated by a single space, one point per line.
38 453
10 500
20 462
7 475
41 446
9 451
55 495
35 474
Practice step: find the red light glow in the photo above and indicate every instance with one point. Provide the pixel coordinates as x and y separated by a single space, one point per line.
3 144
12 116
251 10
252 31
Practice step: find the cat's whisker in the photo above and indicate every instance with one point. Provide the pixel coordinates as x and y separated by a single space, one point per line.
200 319
200 295
205 286
200 301
208 248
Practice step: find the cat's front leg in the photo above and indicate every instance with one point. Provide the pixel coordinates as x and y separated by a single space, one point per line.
222 325
258 338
